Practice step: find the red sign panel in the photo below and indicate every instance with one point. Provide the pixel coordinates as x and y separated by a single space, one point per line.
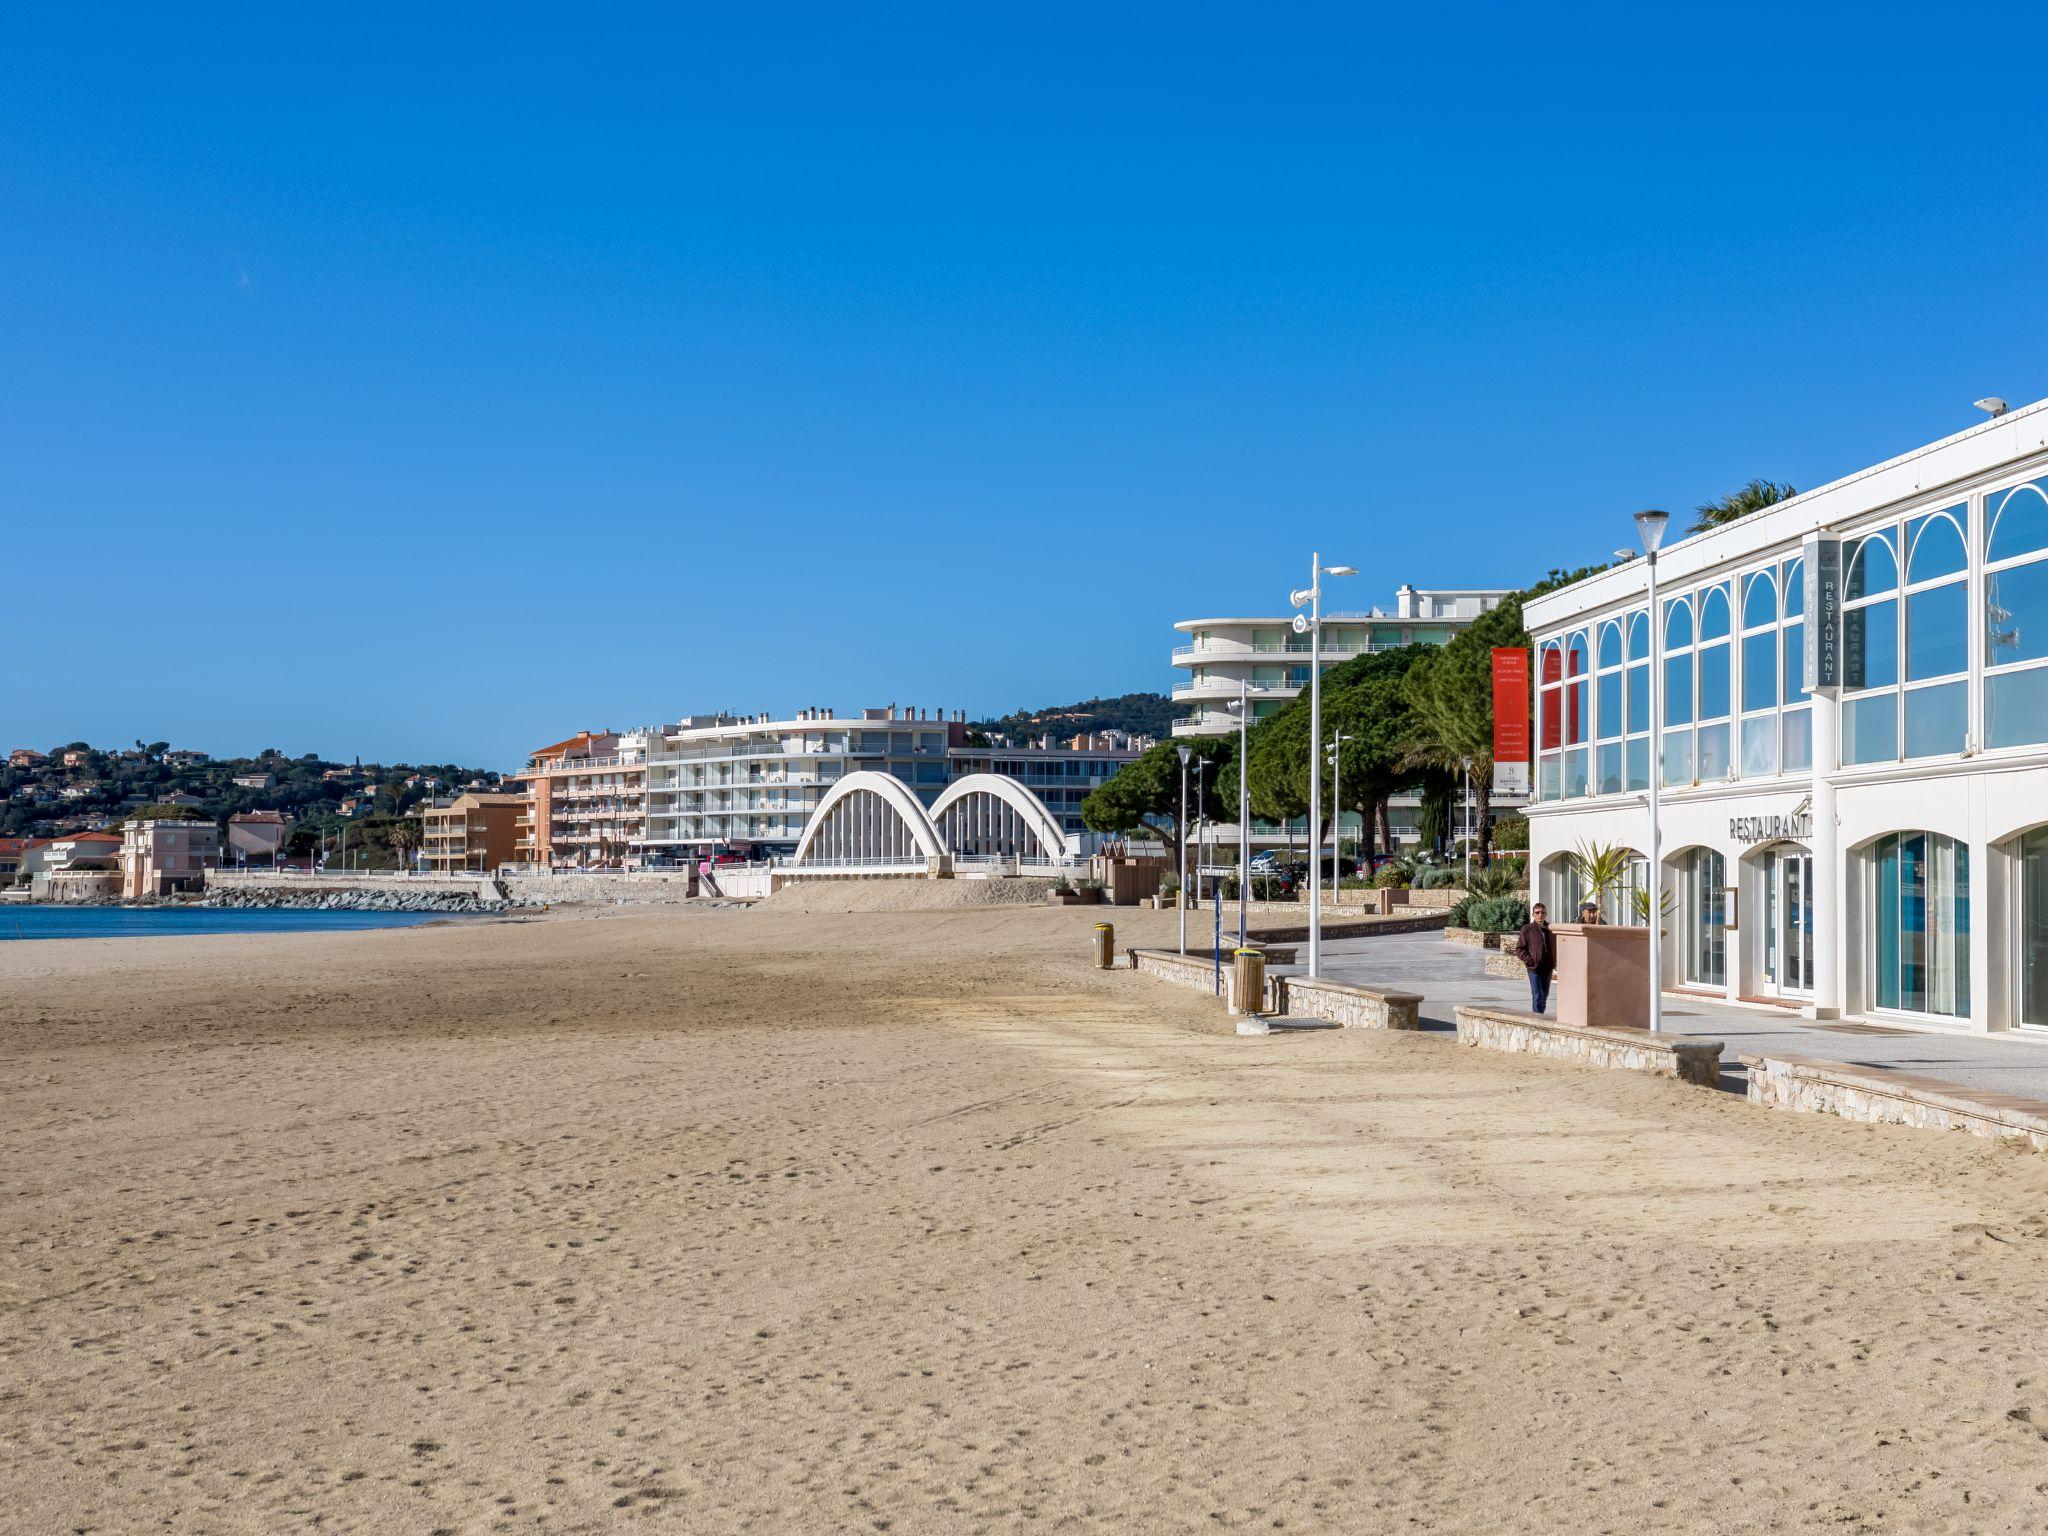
1510 705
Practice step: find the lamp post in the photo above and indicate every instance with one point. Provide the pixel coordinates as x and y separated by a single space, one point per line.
1181 895
1243 708
1311 623
1650 529
1337 740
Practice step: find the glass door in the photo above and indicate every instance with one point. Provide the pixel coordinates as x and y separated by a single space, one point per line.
1787 927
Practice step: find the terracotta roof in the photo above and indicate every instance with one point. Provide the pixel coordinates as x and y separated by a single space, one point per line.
87 837
563 748
277 816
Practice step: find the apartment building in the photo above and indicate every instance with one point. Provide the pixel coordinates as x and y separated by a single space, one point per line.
1266 661
475 832
585 801
1271 662
163 854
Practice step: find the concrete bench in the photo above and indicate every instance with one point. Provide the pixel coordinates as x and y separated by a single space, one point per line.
1337 1002
1628 1050
1877 1096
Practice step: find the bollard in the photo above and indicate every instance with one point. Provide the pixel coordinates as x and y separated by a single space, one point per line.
1105 946
1248 981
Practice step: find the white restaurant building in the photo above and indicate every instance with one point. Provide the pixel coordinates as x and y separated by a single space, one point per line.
1878 853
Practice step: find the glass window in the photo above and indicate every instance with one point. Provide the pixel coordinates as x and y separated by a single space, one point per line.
1678 689
1937 631
1610 645
1677 757
1678 624
1609 716
1548 775
1870 645
1551 698
2019 522
1760 746
1608 781
2016 614
1920 921
1638 699
1575 772
1937 719
1760 671
1638 636
1639 762
1935 546
1795 663
1798 739
1870 567
1760 601
1714 614
1713 667
1795 589
2016 708
1713 752
1870 729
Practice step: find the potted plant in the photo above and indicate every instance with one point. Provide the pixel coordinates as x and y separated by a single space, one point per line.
1603 969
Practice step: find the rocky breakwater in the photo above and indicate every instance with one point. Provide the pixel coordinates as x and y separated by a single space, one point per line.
355 900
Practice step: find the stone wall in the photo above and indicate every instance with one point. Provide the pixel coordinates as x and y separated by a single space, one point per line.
1336 1002
1877 1097
1628 1050
645 888
76 887
1182 970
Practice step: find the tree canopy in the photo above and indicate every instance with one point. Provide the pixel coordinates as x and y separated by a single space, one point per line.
1144 795
1753 497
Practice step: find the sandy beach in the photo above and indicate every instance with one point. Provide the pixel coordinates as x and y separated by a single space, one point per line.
908 1221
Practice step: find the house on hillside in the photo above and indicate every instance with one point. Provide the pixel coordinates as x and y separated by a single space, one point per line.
255 837
255 780
26 757
163 854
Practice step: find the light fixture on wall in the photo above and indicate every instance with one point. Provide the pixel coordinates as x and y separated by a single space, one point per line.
1992 406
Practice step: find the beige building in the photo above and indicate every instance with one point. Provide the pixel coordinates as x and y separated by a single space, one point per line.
255 837
471 832
164 854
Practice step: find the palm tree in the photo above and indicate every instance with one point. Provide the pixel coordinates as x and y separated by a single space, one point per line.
1753 497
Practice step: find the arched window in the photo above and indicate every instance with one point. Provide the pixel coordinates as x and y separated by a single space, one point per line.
1578 668
2030 866
1795 718
1870 653
1869 567
1760 676
1678 693
1760 601
2016 617
1608 712
1549 720
1919 916
1716 682
1636 704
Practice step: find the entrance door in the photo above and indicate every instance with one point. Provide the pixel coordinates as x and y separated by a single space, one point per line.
1788 921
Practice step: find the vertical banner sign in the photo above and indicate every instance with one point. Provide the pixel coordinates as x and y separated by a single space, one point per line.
1510 721
1823 615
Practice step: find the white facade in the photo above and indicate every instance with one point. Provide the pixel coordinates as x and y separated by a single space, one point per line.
1268 663
755 782
1880 854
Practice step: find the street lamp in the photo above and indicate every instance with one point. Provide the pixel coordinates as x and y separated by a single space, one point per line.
1311 623
1650 529
1242 707
1337 740
1181 896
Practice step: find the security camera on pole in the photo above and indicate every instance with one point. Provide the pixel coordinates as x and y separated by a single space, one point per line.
1311 624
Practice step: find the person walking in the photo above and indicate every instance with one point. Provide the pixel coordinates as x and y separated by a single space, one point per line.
1536 948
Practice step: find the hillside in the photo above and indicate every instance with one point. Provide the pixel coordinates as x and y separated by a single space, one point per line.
76 786
1147 714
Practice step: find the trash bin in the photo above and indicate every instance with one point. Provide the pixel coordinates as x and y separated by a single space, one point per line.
1105 946
1248 981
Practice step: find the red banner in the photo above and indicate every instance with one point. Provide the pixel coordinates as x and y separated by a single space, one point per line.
1511 705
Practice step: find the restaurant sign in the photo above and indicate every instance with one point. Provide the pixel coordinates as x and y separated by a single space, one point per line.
1823 615
1770 829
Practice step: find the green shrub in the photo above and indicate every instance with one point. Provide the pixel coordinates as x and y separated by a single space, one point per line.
1496 880
1437 877
1389 877
1461 914
1512 835
1497 914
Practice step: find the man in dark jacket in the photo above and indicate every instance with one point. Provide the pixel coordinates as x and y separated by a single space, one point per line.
1536 948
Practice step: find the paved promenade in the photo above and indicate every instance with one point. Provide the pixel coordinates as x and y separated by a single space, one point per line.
1449 974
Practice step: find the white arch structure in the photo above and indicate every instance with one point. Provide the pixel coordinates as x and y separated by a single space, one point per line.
873 818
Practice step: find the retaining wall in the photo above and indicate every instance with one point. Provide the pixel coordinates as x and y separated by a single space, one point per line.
1628 1050
1877 1097
1336 1002
648 888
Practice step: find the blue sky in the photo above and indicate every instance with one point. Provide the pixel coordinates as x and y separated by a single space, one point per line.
431 383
